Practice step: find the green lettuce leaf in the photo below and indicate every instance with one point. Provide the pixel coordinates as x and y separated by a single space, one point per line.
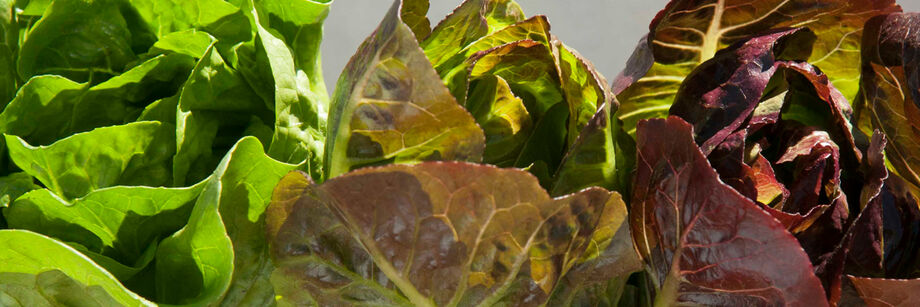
84 40
246 186
132 154
216 17
215 108
604 155
288 34
9 80
14 185
119 222
221 256
35 113
194 266
503 117
39 271
469 22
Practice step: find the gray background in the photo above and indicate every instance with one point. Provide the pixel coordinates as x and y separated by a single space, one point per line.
604 31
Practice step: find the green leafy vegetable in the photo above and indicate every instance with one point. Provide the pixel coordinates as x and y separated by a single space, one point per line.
46 272
133 154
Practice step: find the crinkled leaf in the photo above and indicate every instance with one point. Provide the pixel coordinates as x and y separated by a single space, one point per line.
704 242
215 108
132 154
389 106
299 103
880 292
39 271
816 159
83 40
529 71
720 94
35 113
219 18
455 68
688 33
469 22
431 233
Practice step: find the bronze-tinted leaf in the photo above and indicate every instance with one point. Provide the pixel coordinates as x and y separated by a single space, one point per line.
469 22
414 14
704 242
432 233
601 268
880 292
390 106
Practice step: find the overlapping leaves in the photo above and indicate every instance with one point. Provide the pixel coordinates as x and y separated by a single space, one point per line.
432 233
686 34
144 140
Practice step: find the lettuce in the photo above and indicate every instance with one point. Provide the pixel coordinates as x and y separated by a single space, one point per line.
186 153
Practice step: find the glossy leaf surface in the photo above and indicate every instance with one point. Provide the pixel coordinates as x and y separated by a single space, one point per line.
704 242
891 90
432 233
390 106
878 292
687 33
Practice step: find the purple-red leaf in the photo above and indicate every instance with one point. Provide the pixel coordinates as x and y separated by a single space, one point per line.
704 242
719 95
890 86
689 32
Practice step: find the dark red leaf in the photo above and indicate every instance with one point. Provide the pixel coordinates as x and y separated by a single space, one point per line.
901 218
704 242
890 87
720 94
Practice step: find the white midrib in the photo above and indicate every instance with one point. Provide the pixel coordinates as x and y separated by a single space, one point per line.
713 33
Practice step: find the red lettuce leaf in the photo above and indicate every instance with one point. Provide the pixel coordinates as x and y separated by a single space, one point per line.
703 241
890 87
720 94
